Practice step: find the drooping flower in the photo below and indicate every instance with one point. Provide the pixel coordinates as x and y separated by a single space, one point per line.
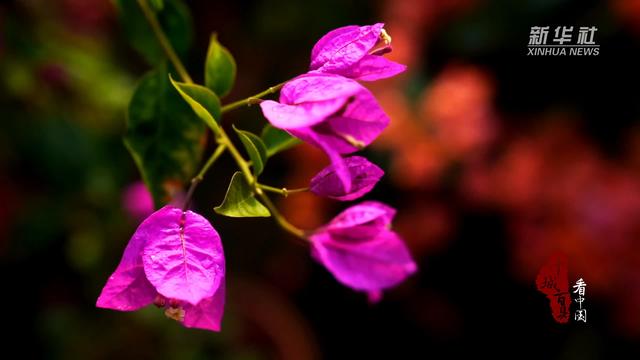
361 251
336 114
355 52
364 176
174 260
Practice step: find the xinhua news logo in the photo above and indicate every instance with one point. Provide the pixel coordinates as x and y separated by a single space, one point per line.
564 41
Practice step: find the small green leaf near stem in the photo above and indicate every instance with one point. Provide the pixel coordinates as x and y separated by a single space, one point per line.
240 200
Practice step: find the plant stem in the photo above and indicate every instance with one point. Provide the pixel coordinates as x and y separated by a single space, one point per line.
282 191
164 41
280 219
293 191
221 136
216 154
242 163
198 178
255 99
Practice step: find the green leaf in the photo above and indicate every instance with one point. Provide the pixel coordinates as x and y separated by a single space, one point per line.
277 140
219 68
203 102
255 148
165 138
174 18
240 201
157 4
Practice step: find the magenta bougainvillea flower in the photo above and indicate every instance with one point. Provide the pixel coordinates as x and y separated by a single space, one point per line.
361 251
355 52
334 113
137 201
364 176
174 260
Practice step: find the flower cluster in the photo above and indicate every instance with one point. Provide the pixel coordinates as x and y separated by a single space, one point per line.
175 259
329 109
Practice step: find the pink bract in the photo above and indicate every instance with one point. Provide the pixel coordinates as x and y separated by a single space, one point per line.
364 176
331 112
360 250
176 257
354 52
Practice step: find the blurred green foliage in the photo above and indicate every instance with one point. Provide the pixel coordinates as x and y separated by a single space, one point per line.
173 16
165 138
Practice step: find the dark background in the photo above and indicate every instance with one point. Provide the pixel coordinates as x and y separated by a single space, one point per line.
551 163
